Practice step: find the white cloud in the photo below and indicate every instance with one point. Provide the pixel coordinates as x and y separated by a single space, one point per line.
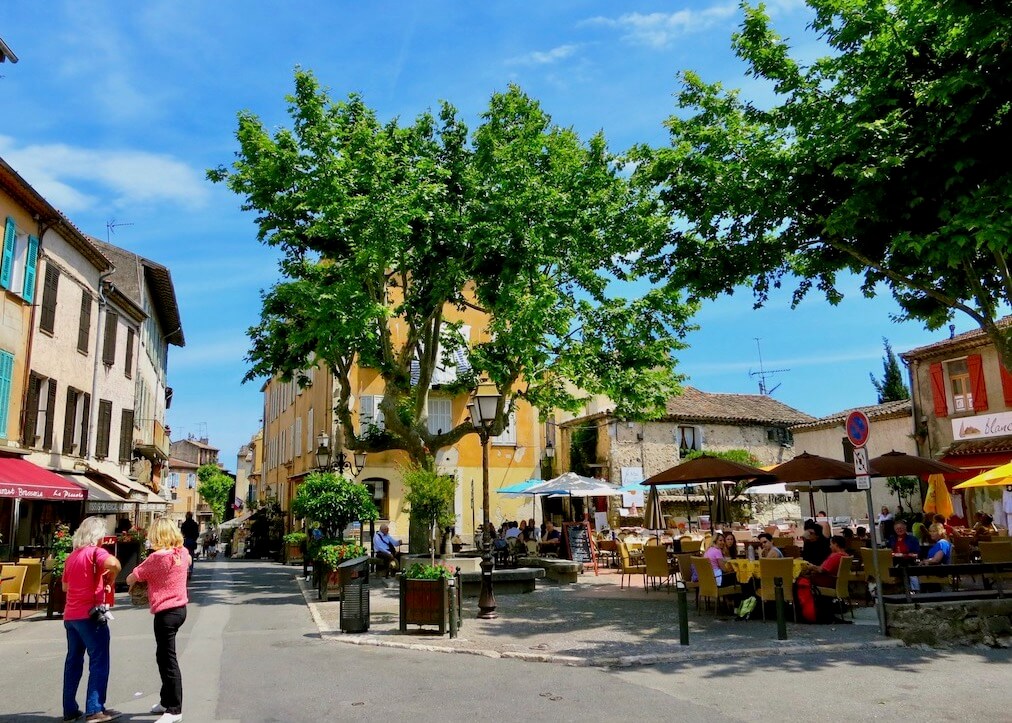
658 30
229 351
545 57
77 179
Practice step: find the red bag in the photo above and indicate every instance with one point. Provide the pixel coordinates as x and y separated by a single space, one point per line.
805 599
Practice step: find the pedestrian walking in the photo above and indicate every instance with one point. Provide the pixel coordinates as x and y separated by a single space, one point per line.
88 575
165 571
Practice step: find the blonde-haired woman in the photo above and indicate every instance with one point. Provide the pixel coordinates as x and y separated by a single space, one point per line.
88 573
164 571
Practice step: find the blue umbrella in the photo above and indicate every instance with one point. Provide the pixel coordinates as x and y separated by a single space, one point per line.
519 488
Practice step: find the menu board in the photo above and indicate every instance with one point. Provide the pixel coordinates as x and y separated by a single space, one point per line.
579 543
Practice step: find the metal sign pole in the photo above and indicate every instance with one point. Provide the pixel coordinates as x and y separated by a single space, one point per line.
858 432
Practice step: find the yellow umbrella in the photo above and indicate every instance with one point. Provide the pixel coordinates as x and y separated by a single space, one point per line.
997 477
938 501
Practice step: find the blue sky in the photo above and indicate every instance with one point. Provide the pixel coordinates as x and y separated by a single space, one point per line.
116 109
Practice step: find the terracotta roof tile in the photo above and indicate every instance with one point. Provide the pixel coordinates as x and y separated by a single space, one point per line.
695 405
887 410
972 338
980 446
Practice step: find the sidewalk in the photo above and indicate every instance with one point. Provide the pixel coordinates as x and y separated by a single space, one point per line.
595 623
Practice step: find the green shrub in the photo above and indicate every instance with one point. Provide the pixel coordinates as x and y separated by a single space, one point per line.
331 553
296 538
420 571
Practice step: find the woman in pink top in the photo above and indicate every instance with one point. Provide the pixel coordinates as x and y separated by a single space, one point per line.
164 571
87 575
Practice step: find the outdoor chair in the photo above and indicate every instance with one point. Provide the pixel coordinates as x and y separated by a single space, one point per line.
841 591
655 560
627 568
783 542
708 587
532 547
792 551
13 577
33 578
771 568
683 561
652 541
962 549
885 561
690 544
997 552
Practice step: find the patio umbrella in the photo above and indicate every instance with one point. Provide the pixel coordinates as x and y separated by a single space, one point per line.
777 488
806 467
997 477
898 464
938 500
721 512
708 469
653 518
519 488
575 484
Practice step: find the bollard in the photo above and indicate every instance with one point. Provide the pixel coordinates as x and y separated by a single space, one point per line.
778 589
453 606
683 613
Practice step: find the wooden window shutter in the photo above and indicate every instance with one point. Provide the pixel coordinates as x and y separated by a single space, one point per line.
84 329
1006 385
128 368
47 438
85 418
6 374
104 427
976 369
31 261
126 435
109 345
47 319
69 416
938 390
7 258
31 411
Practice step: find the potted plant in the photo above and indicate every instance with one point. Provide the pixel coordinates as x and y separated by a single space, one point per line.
425 597
429 499
296 544
60 549
327 556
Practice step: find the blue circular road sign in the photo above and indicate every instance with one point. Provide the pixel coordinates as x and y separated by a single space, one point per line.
858 428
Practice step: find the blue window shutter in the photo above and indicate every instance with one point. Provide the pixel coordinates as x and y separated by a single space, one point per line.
6 372
8 254
28 292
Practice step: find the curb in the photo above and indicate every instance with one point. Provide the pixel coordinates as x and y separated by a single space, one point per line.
787 647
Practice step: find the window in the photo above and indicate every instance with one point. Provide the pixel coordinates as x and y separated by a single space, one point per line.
109 343
75 423
369 412
126 435
173 480
104 428
689 438
191 480
848 450
6 372
298 436
40 407
128 365
440 415
508 437
959 386
310 436
51 284
17 262
380 491
84 324
782 435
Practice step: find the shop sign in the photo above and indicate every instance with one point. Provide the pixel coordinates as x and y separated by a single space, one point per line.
981 426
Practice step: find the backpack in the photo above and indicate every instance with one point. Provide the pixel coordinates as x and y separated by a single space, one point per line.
813 606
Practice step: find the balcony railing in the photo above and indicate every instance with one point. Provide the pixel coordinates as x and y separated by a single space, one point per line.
152 439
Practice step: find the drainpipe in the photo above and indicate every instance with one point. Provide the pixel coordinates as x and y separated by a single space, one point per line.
93 409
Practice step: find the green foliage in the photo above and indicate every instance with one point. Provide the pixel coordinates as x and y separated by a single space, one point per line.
736 490
331 553
880 158
61 547
429 497
583 450
904 488
333 502
296 539
522 221
419 571
891 388
215 488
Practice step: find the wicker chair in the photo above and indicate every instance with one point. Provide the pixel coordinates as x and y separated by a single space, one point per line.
841 591
655 560
708 587
13 577
33 578
771 568
626 566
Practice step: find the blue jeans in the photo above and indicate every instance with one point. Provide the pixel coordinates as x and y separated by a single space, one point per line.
84 635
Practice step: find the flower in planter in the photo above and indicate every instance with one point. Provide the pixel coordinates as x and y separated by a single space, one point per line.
420 571
62 546
330 553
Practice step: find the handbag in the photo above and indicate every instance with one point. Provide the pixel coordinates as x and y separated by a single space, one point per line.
99 614
139 593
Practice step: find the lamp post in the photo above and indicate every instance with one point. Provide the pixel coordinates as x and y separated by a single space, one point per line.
483 407
327 461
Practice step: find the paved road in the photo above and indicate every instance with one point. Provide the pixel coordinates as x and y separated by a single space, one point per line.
250 652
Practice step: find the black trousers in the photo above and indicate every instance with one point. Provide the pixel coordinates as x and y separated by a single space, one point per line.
167 624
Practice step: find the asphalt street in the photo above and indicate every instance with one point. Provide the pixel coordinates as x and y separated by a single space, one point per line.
250 651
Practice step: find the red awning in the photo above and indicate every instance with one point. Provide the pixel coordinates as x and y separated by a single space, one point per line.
27 481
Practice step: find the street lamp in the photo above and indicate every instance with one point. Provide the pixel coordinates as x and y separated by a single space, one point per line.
327 461
483 407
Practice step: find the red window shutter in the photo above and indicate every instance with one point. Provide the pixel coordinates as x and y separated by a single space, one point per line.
1006 385
974 366
938 390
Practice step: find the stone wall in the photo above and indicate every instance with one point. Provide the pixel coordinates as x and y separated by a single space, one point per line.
944 624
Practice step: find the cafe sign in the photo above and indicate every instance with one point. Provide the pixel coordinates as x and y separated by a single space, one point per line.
981 426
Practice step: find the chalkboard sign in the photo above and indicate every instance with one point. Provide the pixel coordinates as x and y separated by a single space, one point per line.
580 543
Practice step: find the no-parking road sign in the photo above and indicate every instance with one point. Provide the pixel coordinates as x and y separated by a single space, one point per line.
858 428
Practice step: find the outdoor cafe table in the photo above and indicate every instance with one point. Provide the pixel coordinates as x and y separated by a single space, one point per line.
746 569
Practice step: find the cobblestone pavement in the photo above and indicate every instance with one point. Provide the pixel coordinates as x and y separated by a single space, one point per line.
594 622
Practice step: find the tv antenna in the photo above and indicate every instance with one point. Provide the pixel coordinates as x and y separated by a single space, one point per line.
110 228
763 373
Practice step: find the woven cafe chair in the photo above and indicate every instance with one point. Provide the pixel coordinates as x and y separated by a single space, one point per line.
708 587
13 577
655 559
841 591
628 568
771 568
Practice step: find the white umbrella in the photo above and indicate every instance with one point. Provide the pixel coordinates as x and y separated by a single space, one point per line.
777 488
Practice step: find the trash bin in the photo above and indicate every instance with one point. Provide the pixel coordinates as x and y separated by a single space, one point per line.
353 576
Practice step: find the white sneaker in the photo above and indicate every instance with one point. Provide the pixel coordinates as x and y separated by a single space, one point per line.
170 718
157 709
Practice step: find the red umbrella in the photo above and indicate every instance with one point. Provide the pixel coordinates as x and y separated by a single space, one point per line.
705 469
